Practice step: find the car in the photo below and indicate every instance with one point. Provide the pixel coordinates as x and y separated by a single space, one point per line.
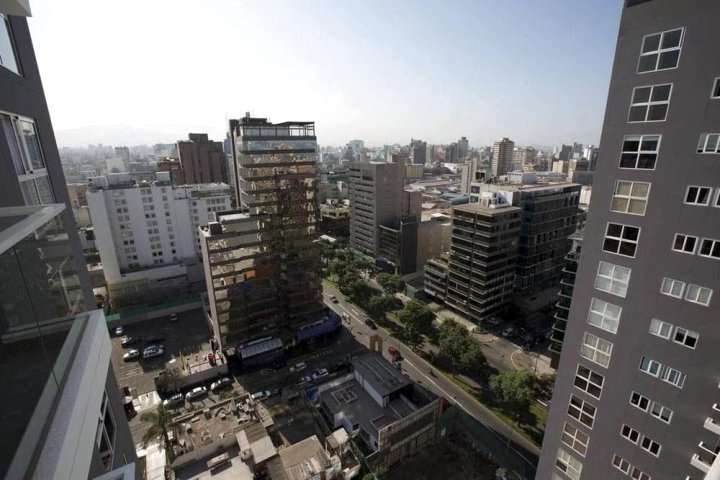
221 384
173 317
154 339
174 401
319 373
133 354
494 321
509 332
370 324
120 330
298 367
304 380
261 395
153 351
333 298
276 391
195 393
129 341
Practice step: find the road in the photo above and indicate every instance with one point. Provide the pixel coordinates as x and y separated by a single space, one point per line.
418 369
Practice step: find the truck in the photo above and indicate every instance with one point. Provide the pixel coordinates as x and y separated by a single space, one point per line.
394 354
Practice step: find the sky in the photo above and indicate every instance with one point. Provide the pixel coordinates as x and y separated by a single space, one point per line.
385 71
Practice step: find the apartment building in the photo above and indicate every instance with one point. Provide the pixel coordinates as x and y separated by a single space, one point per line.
262 266
562 307
147 234
201 160
637 389
502 157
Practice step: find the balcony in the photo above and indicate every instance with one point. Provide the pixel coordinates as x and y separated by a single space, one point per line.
699 463
711 425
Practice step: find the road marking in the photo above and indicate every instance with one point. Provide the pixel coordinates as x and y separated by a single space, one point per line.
512 359
452 397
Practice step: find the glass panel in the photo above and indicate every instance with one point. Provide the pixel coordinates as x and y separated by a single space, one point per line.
640 189
29 192
671 39
712 142
646 160
650 143
26 131
637 114
669 59
44 190
7 52
641 95
657 112
651 43
647 63
661 93
631 144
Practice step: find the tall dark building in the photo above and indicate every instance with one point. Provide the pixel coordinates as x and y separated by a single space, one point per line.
202 160
62 414
418 152
637 387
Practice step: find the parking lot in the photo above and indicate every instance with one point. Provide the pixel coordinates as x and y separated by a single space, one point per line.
190 334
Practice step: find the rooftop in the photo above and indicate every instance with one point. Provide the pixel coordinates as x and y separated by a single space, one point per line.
477 208
300 461
380 374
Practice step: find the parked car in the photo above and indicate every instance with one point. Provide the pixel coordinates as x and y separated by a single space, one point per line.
155 339
174 400
304 380
133 354
153 351
494 321
333 298
130 341
195 393
370 324
120 330
319 373
260 396
221 384
173 317
509 332
394 353
298 367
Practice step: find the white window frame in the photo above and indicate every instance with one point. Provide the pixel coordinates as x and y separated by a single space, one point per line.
661 50
698 289
668 374
649 103
582 414
684 334
631 433
593 352
636 399
704 140
570 438
621 239
638 474
640 151
589 381
604 315
657 410
714 246
715 92
571 466
658 326
698 189
629 198
651 365
685 238
671 283
650 442
611 280
621 464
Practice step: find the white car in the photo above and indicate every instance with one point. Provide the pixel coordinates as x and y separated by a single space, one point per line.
173 401
133 354
120 330
304 380
220 384
319 373
153 351
195 393
298 367
173 317
260 396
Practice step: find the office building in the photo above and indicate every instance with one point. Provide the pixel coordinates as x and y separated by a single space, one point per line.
562 307
418 152
523 156
202 160
637 388
173 166
502 157
469 173
565 152
463 148
262 265
482 260
62 414
147 234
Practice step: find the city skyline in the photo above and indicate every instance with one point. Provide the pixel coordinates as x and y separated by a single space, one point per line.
379 72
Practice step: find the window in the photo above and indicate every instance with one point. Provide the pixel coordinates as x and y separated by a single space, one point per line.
673 288
582 411
105 439
638 474
621 239
630 433
660 328
621 464
7 48
660 412
698 294
709 143
650 445
639 151
674 377
684 243
710 248
686 338
698 195
630 197
660 51
651 367
575 439
604 315
650 104
716 89
589 381
612 279
596 349
568 464
639 401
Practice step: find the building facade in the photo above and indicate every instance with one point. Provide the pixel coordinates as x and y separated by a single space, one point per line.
502 157
637 385
202 160
562 307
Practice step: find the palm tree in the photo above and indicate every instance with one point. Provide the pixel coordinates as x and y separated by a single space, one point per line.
160 422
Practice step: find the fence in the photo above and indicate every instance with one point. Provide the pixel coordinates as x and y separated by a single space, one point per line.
145 313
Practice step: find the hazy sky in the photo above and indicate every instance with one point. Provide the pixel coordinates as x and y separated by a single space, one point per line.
149 71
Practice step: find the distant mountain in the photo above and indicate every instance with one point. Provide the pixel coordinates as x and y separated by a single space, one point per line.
132 135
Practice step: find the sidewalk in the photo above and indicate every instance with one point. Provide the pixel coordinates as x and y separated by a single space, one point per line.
155 461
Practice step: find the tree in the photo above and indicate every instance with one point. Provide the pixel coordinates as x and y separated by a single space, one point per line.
167 380
418 314
391 283
412 336
160 423
451 340
517 388
472 360
378 305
